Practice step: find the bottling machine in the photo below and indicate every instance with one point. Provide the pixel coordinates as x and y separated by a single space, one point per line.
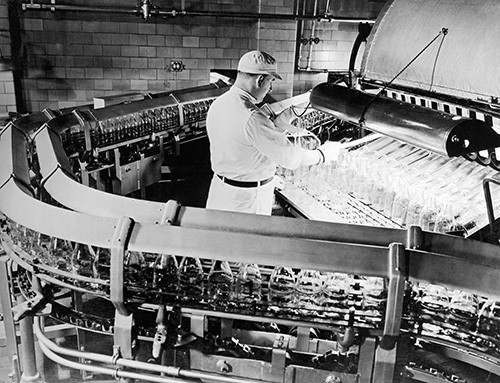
392 278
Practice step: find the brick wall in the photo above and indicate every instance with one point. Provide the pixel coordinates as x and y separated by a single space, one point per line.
71 57
7 95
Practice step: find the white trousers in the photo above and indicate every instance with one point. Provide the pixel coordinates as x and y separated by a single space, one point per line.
256 200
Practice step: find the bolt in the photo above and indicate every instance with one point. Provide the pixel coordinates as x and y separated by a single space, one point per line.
224 366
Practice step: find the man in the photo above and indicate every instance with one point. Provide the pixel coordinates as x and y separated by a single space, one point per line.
246 146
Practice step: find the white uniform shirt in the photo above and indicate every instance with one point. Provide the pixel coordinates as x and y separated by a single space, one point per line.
244 144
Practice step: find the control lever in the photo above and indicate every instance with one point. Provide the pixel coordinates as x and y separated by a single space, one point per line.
346 340
161 332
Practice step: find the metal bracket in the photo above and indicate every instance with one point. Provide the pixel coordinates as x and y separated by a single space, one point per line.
395 295
278 358
37 305
170 213
119 243
123 339
303 338
86 128
415 238
51 113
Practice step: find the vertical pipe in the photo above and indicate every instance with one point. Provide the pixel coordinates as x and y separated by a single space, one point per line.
8 321
259 25
327 7
313 31
300 31
28 355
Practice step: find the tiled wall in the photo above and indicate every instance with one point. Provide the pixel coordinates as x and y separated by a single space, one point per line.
72 57
7 95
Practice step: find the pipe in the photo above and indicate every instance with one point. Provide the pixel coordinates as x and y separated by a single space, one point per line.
363 33
27 351
122 362
313 31
174 13
117 373
430 129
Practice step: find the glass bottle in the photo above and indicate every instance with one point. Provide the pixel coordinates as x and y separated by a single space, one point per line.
165 273
400 204
219 284
435 299
336 290
42 248
308 290
374 293
445 219
134 270
190 279
102 263
415 206
281 287
248 283
82 260
61 253
463 309
488 322
427 219
15 232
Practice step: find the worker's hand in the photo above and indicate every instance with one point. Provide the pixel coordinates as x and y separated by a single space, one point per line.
331 150
285 120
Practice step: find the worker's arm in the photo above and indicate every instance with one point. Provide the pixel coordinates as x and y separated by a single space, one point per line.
276 146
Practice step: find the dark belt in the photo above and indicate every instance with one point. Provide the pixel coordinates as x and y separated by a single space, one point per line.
245 184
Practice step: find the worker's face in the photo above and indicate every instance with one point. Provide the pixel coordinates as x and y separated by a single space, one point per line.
264 86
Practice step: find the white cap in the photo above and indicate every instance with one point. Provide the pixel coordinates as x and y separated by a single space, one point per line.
258 62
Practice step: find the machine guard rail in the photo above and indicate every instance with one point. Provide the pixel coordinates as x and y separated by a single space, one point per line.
328 246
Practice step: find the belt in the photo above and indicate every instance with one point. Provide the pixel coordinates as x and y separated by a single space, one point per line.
245 184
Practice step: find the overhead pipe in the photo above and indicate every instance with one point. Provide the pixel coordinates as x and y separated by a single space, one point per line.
430 129
174 13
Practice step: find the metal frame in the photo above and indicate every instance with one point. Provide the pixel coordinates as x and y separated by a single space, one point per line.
389 253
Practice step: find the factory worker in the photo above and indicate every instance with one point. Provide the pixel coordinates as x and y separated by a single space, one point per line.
246 146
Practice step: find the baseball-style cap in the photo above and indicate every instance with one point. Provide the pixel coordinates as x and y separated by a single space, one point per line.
258 62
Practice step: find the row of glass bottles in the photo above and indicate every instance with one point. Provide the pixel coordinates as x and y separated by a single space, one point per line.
308 289
308 292
459 308
404 183
314 119
195 111
135 125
